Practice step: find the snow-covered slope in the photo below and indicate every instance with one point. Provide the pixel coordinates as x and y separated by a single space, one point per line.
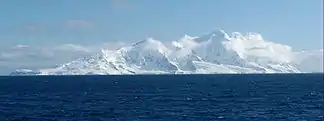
216 52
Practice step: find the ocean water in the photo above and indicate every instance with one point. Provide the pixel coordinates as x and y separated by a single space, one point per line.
273 97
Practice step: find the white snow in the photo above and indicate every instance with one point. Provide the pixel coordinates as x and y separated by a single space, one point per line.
216 52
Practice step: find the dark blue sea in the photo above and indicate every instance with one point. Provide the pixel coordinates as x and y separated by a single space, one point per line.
267 97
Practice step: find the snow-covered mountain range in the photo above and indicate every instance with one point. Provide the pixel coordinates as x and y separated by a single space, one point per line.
216 52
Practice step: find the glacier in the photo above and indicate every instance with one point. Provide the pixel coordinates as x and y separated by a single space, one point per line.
213 53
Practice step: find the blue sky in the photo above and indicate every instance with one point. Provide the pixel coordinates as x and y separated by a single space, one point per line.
298 23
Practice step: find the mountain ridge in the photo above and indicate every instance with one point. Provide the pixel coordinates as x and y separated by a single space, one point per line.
216 52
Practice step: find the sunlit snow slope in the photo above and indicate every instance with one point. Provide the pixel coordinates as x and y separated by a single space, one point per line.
216 52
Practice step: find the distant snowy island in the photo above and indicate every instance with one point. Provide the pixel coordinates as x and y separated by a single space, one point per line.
213 53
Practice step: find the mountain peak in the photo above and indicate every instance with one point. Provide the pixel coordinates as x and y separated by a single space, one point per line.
148 45
187 37
216 35
219 32
148 40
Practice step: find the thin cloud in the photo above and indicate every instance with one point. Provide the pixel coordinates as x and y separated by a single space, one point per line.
21 55
72 48
20 46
